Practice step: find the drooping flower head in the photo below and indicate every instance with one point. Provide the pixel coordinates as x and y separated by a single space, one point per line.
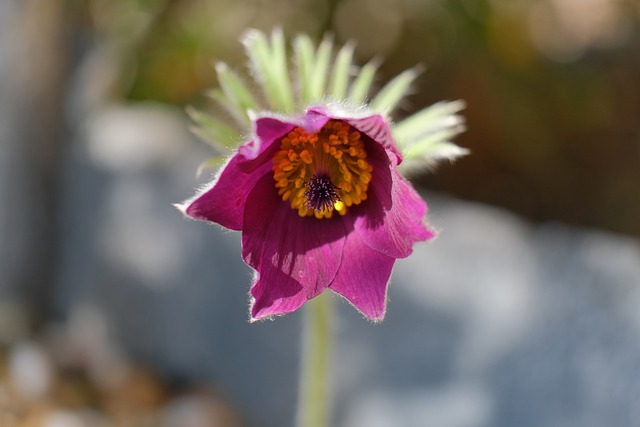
316 189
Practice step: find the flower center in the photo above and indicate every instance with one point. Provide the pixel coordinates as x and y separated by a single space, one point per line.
322 172
321 193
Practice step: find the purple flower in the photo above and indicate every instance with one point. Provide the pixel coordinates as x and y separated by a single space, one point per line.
320 205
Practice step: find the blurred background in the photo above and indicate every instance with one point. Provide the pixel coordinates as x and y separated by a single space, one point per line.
115 311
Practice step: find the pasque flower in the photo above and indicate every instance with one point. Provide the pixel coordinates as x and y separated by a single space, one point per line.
316 191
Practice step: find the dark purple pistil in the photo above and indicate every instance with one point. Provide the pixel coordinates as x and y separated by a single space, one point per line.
321 193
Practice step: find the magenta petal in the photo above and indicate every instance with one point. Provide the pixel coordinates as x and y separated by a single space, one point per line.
270 129
296 258
375 126
363 277
392 218
313 121
223 202
267 131
275 293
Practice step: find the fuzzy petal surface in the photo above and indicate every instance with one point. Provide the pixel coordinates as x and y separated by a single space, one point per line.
363 277
266 131
392 218
295 257
224 200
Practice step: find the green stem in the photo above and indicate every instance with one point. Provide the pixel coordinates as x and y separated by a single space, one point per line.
313 399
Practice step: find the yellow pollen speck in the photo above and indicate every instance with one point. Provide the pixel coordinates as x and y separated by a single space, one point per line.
336 152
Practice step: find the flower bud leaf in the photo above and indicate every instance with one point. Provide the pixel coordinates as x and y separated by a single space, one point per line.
341 72
425 121
213 131
269 66
321 69
389 96
364 80
237 98
304 58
